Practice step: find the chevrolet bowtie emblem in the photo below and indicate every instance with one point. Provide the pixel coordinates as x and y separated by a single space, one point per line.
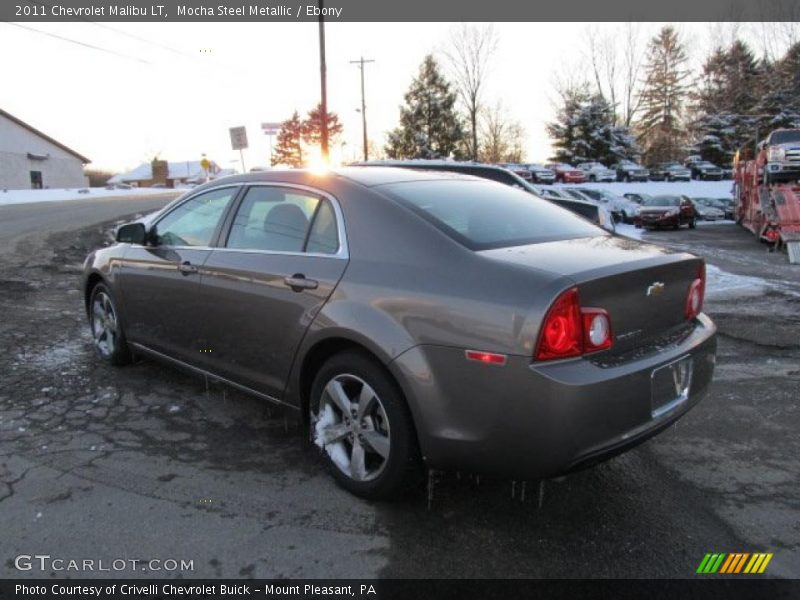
655 289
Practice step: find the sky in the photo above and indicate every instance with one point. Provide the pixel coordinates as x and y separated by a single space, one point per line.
174 89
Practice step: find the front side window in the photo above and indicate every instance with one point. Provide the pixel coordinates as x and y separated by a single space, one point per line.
194 222
278 219
483 215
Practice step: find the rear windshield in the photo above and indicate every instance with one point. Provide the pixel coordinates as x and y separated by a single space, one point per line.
662 201
484 215
781 137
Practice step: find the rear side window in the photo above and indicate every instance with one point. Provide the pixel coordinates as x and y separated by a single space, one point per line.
278 219
483 215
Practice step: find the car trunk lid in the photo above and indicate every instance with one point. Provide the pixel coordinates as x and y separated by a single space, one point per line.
643 287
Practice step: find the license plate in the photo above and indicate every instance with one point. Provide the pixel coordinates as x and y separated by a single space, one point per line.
669 386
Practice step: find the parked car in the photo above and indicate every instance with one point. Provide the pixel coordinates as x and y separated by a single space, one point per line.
779 155
627 170
727 205
708 209
499 175
540 174
412 319
705 171
566 173
518 170
727 171
596 171
636 197
622 208
667 211
584 207
670 171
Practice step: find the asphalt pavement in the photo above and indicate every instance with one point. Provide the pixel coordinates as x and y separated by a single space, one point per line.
144 462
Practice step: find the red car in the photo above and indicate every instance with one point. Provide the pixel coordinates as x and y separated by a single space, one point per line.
567 173
666 211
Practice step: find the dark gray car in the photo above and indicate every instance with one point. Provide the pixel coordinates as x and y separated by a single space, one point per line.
412 318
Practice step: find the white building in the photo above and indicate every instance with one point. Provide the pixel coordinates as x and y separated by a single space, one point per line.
29 159
171 173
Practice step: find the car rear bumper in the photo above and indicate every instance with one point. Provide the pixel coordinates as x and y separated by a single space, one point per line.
535 420
646 221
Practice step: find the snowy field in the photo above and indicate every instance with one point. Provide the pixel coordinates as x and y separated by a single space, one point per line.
693 189
29 196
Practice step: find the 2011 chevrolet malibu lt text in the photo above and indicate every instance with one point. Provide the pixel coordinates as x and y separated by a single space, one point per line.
413 319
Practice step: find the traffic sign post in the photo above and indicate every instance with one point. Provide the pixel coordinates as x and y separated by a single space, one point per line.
269 130
239 142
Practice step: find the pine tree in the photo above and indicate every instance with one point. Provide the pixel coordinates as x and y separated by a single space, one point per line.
564 130
312 127
289 146
585 130
724 102
662 97
781 102
429 126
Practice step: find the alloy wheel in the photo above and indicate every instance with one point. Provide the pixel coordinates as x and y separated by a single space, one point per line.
104 324
351 426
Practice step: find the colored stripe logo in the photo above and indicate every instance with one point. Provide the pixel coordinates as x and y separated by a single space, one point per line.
734 563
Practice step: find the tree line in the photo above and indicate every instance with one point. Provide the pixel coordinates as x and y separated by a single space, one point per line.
667 111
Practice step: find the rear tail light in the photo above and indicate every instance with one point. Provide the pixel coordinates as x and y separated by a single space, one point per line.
596 329
569 330
697 291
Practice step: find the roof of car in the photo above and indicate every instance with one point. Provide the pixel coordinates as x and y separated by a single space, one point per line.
367 176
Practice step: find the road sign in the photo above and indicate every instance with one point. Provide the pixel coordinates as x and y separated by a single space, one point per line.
238 138
271 128
205 164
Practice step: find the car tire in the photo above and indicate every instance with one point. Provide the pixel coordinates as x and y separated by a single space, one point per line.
107 333
627 178
693 223
372 452
592 178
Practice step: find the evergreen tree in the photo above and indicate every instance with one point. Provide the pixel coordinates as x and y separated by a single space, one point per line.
724 102
289 147
585 130
662 97
780 105
429 126
312 127
564 130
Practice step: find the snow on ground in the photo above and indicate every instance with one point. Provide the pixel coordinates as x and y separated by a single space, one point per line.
28 196
693 189
723 284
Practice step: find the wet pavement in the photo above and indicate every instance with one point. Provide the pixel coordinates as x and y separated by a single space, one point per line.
145 462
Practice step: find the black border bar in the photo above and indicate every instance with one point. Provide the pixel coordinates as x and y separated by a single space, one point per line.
699 588
400 10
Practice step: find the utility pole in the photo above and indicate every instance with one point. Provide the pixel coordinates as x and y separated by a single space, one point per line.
360 62
323 86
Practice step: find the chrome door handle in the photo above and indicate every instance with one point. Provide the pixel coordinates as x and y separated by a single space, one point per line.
187 268
298 282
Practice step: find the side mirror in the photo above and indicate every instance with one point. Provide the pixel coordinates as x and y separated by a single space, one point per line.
132 233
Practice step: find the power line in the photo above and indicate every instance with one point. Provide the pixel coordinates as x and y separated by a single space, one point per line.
79 43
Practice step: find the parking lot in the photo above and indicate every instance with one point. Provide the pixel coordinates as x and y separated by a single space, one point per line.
148 463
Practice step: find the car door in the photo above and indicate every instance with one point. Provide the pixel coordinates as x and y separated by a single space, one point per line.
159 282
284 252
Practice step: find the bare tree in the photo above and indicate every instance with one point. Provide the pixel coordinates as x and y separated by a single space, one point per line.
615 57
468 55
501 137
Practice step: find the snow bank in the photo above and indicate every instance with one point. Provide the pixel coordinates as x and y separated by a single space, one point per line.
699 189
723 284
28 196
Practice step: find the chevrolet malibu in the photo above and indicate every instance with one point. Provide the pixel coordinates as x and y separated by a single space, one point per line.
412 319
